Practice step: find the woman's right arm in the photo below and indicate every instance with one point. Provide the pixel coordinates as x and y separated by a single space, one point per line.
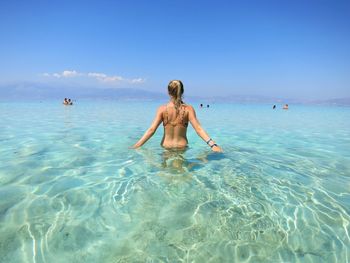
200 131
152 129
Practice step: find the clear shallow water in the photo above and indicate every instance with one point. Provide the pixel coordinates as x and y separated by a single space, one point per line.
72 191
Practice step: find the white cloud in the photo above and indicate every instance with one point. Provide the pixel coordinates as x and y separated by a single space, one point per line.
69 73
101 77
64 74
113 79
104 77
139 80
56 75
97 75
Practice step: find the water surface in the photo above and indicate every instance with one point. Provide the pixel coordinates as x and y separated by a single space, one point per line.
72 191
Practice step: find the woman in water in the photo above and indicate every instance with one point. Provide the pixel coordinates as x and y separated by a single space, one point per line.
175 117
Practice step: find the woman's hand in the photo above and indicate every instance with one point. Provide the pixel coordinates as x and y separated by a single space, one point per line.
133 147
216 148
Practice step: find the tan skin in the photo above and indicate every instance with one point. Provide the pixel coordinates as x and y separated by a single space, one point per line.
175 136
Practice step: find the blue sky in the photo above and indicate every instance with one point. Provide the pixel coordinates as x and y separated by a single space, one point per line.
289 49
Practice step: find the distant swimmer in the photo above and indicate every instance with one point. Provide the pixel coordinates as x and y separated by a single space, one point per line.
274 107
207 105
285 107
175 116
201 105
67 101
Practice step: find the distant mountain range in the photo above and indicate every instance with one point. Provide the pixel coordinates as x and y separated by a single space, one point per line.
340 102
35 91
30 91
272 100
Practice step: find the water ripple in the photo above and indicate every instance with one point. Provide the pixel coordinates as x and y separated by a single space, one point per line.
72 191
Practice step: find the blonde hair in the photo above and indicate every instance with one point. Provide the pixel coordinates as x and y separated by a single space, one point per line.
176 90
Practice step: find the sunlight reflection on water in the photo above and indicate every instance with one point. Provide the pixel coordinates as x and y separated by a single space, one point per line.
72 191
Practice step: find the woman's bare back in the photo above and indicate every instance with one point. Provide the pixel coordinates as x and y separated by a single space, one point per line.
175 126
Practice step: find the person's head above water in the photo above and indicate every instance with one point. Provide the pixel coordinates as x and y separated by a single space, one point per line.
176 90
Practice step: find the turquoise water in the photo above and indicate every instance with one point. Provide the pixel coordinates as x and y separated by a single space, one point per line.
72 191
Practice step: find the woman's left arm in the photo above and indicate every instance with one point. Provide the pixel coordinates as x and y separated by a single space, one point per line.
152 129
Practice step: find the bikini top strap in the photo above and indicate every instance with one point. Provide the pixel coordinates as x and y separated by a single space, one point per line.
180 119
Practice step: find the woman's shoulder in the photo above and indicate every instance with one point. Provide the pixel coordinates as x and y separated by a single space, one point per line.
161 108
187 106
